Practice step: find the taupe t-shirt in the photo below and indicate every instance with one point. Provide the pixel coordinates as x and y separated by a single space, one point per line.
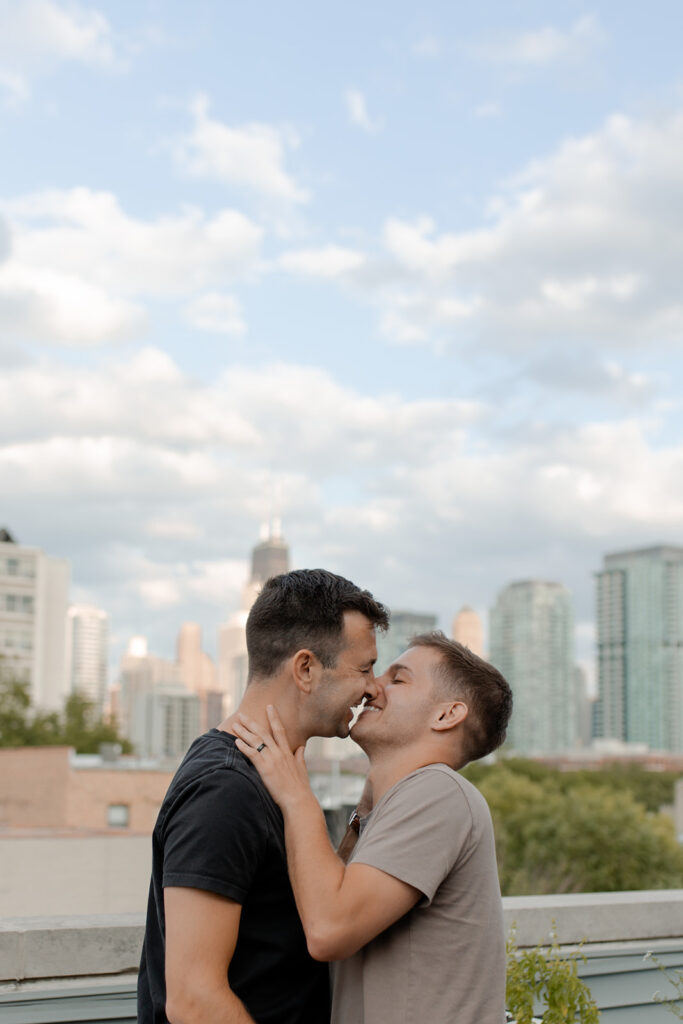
444 961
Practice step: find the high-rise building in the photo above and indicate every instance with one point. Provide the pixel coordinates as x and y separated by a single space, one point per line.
640 648
198 674
34 597
164 721
141 673
584 703
269 558
87 652
402 626
468 630
531 641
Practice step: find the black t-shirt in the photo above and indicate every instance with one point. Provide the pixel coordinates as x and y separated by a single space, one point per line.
218 829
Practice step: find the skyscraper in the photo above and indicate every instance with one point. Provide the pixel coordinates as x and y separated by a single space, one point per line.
142 674
532 644
269 557
87 651
34 596
402 626
198 674
640 648
467 629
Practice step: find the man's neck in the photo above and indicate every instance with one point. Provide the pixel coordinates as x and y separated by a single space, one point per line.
253 706
387 767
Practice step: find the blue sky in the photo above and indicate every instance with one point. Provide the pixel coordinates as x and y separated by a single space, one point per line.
421 269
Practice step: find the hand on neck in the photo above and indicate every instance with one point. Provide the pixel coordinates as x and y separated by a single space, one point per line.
254 702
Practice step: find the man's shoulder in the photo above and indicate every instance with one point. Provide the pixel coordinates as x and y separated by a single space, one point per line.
440 781
212 765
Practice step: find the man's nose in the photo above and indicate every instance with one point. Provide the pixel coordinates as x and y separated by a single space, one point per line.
378 685
371 687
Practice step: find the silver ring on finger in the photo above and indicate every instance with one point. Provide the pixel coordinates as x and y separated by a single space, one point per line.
260 747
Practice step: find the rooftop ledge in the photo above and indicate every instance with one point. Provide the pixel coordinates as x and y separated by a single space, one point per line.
40 948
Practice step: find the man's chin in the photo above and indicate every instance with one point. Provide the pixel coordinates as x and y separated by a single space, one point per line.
358 738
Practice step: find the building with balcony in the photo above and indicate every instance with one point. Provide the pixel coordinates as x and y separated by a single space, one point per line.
34 597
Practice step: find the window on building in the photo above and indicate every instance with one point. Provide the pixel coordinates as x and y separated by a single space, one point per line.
118 815
27 604
12 566
11 602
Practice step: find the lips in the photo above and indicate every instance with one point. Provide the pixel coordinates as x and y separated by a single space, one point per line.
367 709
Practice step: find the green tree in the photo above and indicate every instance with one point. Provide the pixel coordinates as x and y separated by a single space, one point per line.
588 839
84 730
15 714
78 726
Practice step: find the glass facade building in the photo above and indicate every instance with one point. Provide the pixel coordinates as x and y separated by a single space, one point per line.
532 644
640 648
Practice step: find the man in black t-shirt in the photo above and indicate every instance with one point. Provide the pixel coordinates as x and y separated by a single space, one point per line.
223 940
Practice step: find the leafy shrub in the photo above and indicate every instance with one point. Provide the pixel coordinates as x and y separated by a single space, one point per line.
549 977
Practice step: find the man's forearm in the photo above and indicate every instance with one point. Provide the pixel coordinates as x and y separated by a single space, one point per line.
315 870
198 1007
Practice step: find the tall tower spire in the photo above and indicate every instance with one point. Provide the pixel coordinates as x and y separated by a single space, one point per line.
270 557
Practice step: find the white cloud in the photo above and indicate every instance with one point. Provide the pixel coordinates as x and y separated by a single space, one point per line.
79 266
158 483
250 156
38 35
176 529
546 45
160 593
328 261
45 303
581 245
356 108
143 397
217 313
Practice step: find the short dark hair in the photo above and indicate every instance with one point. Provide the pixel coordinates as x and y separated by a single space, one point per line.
304 609
487 694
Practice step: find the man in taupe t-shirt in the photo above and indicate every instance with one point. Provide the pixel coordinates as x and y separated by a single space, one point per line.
415 914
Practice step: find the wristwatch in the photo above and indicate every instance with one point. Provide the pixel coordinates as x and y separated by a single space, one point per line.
354 821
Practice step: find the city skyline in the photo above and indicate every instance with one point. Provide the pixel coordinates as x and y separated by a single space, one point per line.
406 279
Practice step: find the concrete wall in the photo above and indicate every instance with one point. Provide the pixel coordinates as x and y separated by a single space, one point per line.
67 874
58 969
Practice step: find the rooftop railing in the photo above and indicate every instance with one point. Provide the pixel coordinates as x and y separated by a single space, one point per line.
59 969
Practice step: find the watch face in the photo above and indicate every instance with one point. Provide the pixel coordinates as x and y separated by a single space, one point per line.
354 822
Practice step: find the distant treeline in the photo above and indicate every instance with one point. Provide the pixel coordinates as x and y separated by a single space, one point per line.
580 831
78 725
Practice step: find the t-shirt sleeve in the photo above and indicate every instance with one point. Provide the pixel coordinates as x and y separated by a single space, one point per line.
420 832
216 839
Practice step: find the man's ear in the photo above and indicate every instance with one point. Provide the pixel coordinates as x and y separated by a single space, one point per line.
306 670
449 715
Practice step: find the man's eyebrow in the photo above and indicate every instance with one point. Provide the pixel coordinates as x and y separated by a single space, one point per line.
399 667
